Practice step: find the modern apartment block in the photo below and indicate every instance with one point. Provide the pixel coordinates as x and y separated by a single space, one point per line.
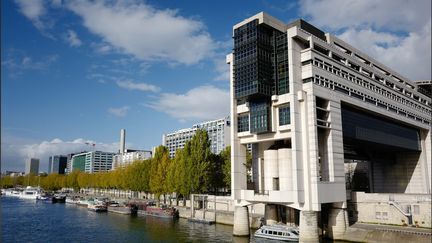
129 156
218 132
32 166
57 164
93 161
310 104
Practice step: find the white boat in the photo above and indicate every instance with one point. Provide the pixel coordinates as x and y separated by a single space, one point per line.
11 193
30 193
97 207
278 232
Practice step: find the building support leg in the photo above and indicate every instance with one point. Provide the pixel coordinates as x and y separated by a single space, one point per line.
337 222
241 221
271 214
309 226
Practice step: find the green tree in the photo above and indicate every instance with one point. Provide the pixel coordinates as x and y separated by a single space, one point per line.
198 158
160 164
225 156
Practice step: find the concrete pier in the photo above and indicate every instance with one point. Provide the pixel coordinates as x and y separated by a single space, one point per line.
309 226
337 222
241 221
271 214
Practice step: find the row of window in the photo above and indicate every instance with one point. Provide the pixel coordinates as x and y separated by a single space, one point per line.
243 120
330 84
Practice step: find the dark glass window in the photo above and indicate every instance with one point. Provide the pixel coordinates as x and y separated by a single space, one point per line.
259 117
370 128
243 123
284 116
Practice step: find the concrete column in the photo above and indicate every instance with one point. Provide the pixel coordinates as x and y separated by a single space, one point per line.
337 223
271 214
309 226
241 221
271 169
285 169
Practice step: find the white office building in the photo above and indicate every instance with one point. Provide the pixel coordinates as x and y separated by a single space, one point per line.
129 156
218 132
93 161
310 103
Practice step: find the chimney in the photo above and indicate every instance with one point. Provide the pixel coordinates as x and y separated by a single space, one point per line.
122 140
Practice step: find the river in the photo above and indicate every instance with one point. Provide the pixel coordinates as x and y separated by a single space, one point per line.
31 221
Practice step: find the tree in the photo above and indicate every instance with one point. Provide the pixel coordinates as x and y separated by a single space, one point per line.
198 161
225 156
160 164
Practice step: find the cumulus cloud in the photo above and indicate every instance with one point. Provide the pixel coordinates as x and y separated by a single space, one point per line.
33 10
72 39
145 32
200 103
130 85
395 32
222 69
15 151
119 112
385 14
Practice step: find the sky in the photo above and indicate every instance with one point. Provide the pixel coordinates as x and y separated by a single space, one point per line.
76 72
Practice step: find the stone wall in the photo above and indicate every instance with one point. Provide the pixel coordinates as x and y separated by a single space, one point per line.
375 208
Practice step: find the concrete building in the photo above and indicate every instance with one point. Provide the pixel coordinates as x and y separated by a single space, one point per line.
129 156
309 103
218 132
32 166
57 164
93 161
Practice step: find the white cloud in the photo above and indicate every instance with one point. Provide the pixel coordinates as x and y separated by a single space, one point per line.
200 103
410 56
395 32
119 112
72 38
145 32
17 62
15 151
33 10
388 14
222 69
130 85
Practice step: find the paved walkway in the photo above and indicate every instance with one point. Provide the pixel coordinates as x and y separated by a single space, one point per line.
393 228
360 232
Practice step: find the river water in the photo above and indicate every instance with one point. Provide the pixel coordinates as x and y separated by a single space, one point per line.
31 221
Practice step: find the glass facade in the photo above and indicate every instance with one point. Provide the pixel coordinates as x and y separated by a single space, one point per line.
78 162
368 128
284 116
243 123
260 117
260 71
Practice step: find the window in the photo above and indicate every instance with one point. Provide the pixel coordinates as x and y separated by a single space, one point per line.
243 123
284 116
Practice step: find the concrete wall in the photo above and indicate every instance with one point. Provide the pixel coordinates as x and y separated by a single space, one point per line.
374 208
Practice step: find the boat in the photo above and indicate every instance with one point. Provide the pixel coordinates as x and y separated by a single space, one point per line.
84 203
71 200
11 193
59 198
278 232
30 193
161 212
97 207
122 209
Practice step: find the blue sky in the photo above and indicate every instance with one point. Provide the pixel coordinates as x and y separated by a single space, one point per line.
79 71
